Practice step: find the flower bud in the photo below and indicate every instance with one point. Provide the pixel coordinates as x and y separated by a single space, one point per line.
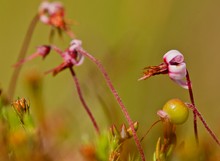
43 50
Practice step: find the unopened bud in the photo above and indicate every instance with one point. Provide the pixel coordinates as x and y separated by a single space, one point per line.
123 132
43 50
129 131
114 131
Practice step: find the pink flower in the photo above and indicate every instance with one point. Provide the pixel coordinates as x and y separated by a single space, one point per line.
176 67
70 57
52 13
173 65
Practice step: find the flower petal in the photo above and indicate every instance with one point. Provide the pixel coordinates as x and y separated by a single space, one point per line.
177 71
75 44
182 83
173 57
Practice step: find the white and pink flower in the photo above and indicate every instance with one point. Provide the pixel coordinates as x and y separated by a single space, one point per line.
173 65
176 67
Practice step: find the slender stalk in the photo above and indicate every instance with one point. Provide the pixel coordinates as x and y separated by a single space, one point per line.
193 103
149 129
204 123
197 113
121 104
21 56
83 101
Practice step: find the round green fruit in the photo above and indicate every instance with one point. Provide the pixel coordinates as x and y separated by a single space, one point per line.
177 111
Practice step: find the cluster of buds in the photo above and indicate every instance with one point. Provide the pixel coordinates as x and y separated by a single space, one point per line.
119 136
52 13
70 56
173 65
124 133
21 107
165 147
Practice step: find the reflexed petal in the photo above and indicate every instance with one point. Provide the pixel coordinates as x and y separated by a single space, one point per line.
182 83
80 61
44 6
173 56
75 44
54 7
44 19
177 71
67 58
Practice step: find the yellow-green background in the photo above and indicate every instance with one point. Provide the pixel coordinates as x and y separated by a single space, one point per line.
126 35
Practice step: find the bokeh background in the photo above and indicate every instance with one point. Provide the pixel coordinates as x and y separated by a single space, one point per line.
126 35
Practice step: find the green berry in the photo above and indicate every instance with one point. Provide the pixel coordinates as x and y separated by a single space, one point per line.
176 110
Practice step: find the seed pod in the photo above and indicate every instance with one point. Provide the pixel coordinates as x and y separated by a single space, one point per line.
176 110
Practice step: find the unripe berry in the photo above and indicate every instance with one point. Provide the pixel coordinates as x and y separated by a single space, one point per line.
176 110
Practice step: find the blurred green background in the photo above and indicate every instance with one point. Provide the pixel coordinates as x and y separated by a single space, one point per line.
126 35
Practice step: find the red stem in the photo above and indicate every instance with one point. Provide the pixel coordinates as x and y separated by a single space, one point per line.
193 103
197 113
204 123
114 92
83 101
21 56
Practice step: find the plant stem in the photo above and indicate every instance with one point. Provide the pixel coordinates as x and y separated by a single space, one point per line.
114 92
21 56
149 129
197 113
83 101
193 103
204 123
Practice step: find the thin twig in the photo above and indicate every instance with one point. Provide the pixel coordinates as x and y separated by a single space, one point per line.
121 104
21 56
83 101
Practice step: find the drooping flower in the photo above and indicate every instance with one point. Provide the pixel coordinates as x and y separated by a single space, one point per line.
52 13
70 56
176 67
173 65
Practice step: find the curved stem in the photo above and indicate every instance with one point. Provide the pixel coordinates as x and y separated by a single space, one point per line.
193 103
114 92
197 113
83 101
21 56
149 129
